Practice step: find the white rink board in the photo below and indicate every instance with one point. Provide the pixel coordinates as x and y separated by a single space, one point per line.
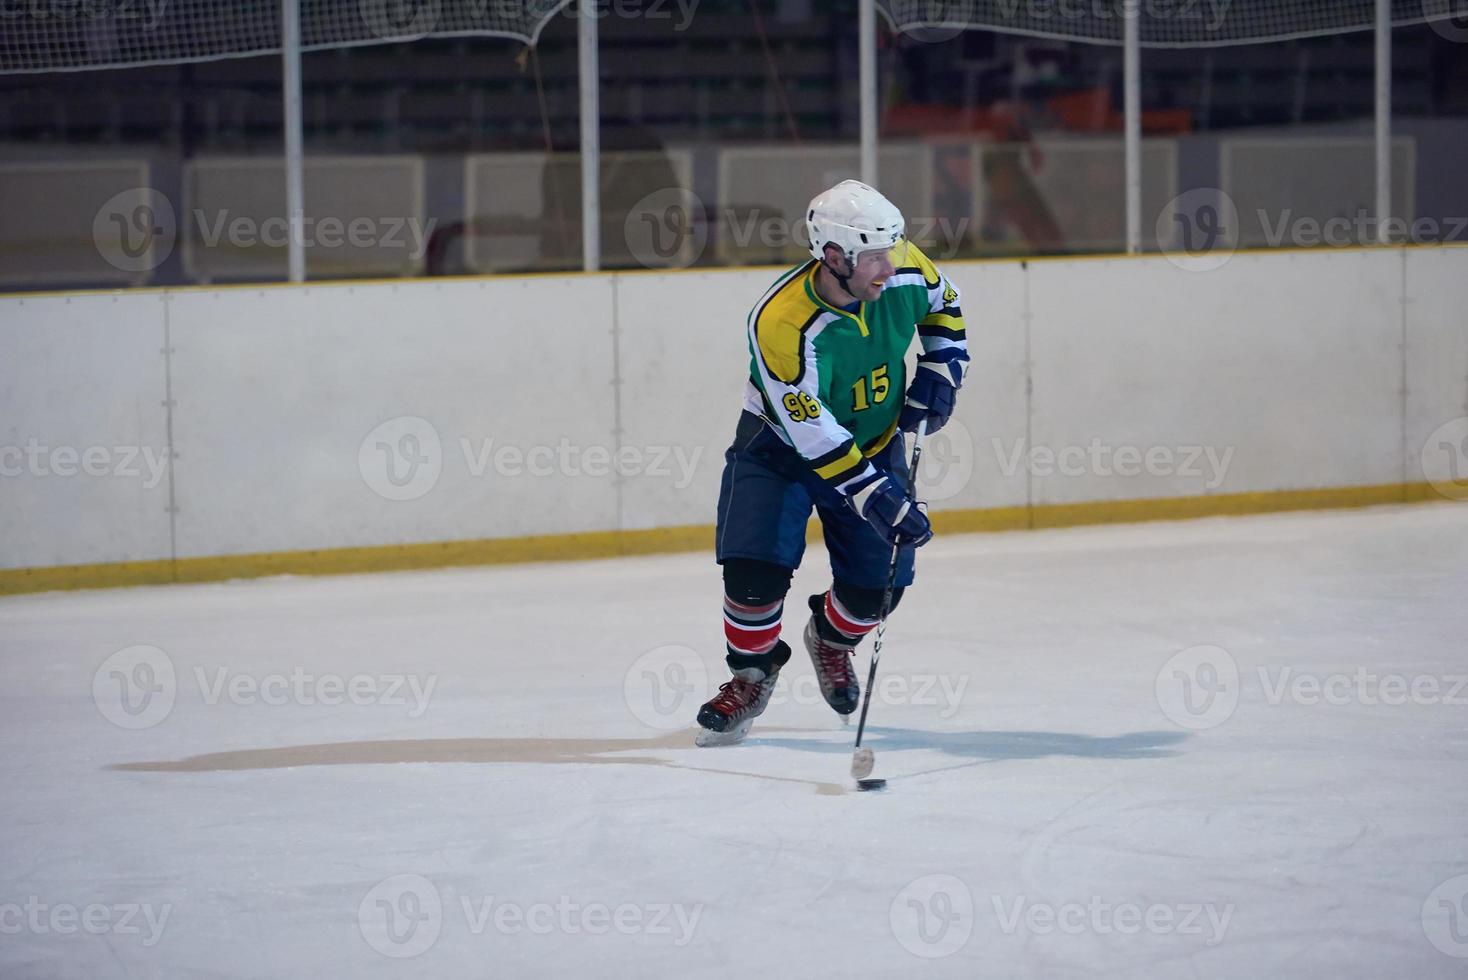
961 467
683 368
1292 361
278 389
1436 367
77 375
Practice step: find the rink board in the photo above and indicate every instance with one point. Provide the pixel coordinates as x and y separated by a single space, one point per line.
279 396
353 426
81 375
1285 368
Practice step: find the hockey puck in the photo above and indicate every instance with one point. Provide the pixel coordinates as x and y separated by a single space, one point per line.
866 785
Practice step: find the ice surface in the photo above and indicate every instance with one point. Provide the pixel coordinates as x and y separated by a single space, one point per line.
1079 784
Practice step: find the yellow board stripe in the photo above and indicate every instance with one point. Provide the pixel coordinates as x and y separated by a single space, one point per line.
1042 516
612 544
346 561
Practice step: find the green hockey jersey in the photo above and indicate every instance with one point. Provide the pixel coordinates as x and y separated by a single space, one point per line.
832 383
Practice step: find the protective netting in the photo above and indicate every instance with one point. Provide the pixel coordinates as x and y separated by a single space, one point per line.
1163 23
71 35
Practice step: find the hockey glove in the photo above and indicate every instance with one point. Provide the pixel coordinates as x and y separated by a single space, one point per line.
891 512
934 390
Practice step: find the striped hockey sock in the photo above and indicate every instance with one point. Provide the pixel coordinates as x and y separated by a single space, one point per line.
751 631
844 621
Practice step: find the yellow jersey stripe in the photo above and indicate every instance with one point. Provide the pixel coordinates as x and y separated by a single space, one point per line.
853 458
942 320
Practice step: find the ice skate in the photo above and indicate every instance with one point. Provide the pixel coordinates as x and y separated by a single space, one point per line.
727 717
832 654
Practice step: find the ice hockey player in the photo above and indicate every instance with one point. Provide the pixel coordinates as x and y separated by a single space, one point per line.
822 410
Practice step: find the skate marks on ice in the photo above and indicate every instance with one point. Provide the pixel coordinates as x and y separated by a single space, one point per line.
982 747
976 747
548 751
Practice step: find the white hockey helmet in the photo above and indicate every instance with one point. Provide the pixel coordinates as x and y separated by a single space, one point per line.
855 218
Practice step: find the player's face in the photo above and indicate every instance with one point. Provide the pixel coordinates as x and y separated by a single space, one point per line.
873 268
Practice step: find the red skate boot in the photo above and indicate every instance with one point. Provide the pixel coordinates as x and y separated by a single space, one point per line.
727 717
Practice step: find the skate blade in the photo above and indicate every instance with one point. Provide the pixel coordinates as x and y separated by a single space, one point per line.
706 739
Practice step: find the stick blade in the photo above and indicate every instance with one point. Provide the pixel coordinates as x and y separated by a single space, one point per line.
863 761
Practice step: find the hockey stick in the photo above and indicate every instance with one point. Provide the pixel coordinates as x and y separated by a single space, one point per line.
863 761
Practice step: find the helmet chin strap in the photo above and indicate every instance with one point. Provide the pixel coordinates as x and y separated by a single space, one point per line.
842 281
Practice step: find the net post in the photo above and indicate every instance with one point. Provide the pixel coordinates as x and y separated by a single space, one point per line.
290 53
867 83
589 80
1383 118
1132 121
